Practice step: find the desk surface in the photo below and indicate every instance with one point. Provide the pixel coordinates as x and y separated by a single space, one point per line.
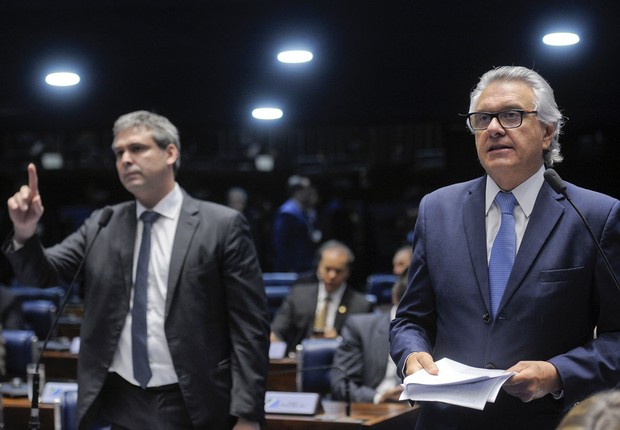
17 413
363 416
62 365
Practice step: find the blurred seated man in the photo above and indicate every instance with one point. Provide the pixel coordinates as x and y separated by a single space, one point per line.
320 308
401 260
10 318
365 358
10 309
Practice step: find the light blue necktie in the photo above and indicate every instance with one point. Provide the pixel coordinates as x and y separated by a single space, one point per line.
503 251
140 354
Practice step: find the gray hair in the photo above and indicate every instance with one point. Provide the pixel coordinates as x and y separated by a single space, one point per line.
162 130
544 102
335 244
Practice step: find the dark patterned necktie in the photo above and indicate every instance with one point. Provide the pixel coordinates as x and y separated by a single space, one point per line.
140 354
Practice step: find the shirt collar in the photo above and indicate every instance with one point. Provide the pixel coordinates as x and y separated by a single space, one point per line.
335 296
525 193
167 207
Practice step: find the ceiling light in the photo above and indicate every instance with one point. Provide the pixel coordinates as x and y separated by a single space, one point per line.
295 56
267 113
62 79
561 39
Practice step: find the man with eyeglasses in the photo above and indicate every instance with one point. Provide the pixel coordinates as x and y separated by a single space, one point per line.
504 274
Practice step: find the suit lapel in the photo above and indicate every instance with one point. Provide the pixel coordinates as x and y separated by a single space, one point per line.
343 309
126 241
546 214
475 232
186 228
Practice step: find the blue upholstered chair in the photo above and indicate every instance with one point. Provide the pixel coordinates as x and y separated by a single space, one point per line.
277 287
21 349
314 358
53 294
68 404
380 285
280 278
39 316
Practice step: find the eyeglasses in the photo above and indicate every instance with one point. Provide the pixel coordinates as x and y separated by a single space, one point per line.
511 118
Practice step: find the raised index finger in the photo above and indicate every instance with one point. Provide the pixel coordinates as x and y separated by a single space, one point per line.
33 181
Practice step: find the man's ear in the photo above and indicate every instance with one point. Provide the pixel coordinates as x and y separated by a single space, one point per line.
172 153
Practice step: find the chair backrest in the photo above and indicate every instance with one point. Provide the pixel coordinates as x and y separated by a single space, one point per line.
314 358
277 287
54 294
380 285
39 316
21 349
280 278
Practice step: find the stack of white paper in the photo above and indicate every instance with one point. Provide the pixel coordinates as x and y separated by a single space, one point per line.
456 384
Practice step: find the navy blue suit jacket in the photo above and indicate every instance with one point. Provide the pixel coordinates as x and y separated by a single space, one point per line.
558 292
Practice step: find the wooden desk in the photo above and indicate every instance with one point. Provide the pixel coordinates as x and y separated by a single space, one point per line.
60 365
17 414
282 375
367 416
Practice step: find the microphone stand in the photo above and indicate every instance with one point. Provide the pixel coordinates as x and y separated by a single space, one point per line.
34 422
552 177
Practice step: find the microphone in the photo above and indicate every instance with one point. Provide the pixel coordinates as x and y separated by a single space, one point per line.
554 180
347 390
33 423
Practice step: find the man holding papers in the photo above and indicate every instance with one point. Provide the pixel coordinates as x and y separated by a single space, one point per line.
505 276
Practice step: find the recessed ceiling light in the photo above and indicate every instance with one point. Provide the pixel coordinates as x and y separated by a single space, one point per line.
62 79
561 39
267 113
298 56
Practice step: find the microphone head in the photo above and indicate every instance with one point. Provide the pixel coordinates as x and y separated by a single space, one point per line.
553 179
106 215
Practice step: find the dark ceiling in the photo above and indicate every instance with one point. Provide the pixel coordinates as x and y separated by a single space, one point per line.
207 63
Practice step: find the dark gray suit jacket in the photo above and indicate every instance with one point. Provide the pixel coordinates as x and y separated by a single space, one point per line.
294 321
216 311
363 355
557 293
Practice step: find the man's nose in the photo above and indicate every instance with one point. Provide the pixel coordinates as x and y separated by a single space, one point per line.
495 127
126 158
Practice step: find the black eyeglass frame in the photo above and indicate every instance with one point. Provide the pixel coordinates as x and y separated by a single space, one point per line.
496 115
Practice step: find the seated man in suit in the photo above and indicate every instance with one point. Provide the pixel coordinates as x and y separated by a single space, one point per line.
10 318
365 357
10 310
320 308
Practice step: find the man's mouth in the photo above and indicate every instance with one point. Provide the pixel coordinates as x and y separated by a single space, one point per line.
498 147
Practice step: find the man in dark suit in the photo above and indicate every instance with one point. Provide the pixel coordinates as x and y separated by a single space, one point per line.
539 321
364 356
206 318
295 233
10 318
320 308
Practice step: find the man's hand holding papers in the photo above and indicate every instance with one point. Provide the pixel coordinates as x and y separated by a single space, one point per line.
457 384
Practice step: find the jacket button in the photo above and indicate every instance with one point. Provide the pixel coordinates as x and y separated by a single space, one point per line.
489 366
486 318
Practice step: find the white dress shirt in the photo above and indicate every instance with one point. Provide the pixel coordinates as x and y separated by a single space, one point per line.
526 194
334 302
162 239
